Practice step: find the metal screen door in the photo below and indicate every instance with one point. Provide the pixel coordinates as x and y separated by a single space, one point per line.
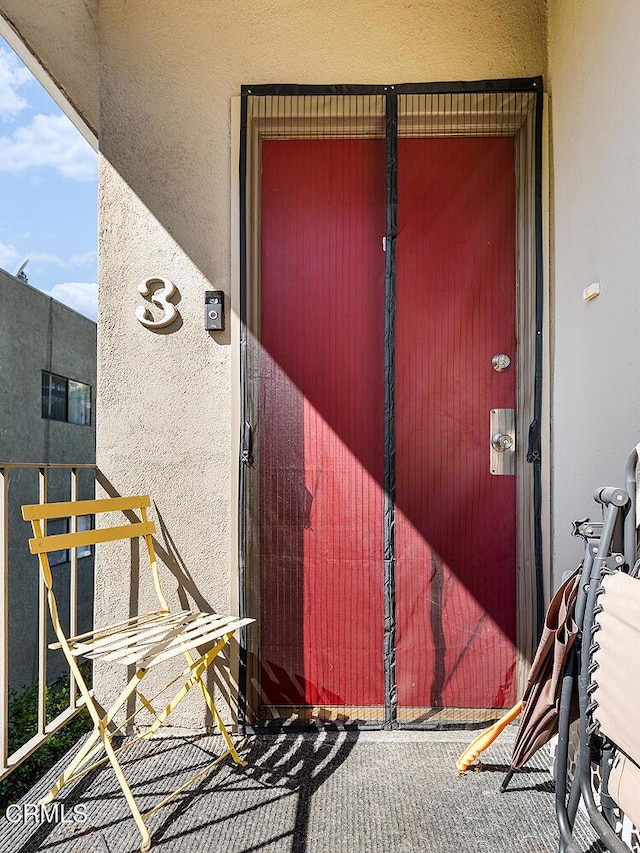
381 540
456 521
321 436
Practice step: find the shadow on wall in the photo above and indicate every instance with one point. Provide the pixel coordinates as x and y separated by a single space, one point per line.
182 587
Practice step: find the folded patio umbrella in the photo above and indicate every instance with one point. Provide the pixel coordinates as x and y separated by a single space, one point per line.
541 700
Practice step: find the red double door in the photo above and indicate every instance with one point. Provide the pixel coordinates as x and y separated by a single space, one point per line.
322 417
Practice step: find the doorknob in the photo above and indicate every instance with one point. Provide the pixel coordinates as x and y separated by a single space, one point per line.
502 440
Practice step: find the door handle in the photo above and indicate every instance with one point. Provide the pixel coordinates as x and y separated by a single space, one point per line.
502 432
501 442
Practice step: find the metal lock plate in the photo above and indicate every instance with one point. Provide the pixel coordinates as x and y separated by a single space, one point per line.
502 437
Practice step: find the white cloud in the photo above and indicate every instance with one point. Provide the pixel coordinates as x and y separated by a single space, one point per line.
74 262
79 295
10 257
48 141
82 259
48 258
13 77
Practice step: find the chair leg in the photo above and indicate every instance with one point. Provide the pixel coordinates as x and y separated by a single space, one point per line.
221 726
126 790
101 737
200 670
81 758
92 745
162 716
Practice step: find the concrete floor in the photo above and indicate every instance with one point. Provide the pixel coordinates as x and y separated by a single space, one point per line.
310 793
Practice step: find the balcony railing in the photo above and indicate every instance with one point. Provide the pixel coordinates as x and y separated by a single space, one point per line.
26 483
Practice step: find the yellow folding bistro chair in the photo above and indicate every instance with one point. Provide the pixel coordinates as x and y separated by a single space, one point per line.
142 641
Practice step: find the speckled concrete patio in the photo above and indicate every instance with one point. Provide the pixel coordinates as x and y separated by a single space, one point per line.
340 791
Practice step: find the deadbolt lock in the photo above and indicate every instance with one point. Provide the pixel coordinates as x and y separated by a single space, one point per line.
501 362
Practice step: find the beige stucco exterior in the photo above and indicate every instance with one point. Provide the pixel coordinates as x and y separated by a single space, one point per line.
593 68
166 83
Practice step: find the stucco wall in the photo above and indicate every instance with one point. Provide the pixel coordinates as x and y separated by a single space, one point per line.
62 34
166 81
594 66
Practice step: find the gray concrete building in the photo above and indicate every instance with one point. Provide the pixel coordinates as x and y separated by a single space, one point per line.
47 395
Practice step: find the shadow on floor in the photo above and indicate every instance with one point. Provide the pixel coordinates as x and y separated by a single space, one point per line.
279 768
322 792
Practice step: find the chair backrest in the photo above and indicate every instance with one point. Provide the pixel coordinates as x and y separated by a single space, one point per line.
42 544
39 513
615 686
615 683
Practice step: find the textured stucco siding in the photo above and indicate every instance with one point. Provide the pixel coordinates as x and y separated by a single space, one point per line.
167 77
63 35
594 67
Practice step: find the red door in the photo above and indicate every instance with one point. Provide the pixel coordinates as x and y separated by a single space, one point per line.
321 423
321 420
455 521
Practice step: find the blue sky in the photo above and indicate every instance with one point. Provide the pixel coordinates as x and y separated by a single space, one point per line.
48 191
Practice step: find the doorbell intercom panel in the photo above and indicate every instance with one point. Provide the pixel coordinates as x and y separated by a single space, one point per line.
214 310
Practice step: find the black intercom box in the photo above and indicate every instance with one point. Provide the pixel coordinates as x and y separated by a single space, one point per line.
214 310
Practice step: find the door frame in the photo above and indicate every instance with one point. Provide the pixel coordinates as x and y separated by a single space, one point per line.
532 298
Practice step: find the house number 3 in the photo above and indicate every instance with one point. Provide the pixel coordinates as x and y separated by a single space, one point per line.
160 291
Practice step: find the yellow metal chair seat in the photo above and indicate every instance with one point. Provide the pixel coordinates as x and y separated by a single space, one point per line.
142 642
153 638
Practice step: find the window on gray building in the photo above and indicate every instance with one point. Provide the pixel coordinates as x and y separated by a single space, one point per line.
79 403
65 399
56 526
85 522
